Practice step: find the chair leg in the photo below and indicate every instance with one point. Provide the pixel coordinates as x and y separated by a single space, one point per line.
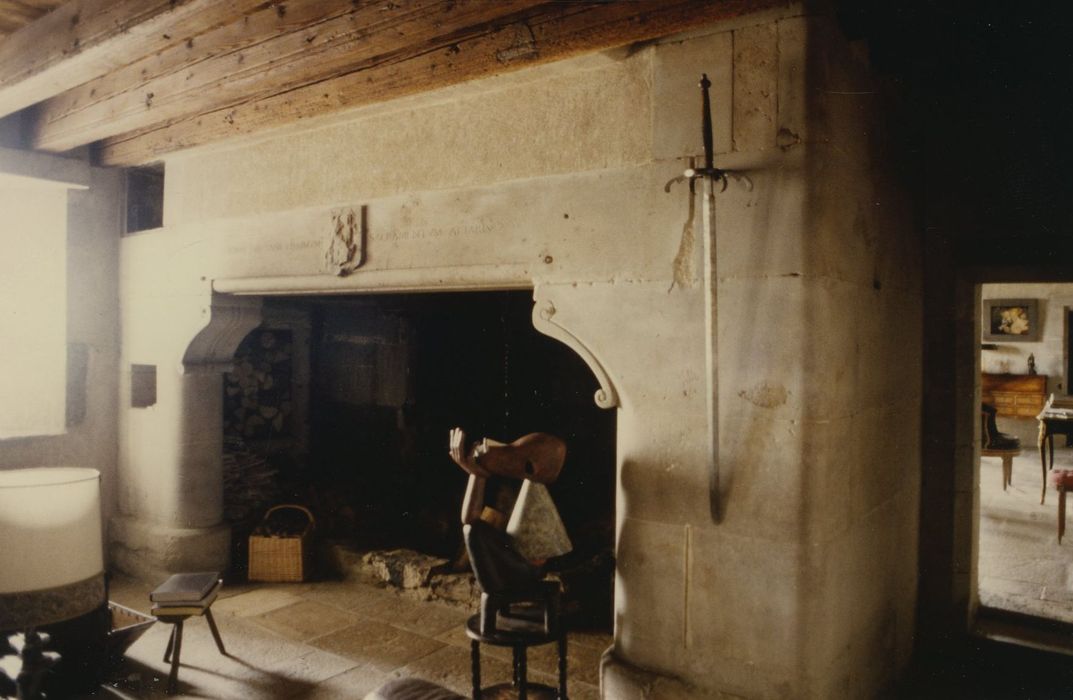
173 677
523 672
171 643
1061 512
475 661
215 632
1007 471
562 664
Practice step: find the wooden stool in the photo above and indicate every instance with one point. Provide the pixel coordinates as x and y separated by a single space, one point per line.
180 597
1007 463
519 636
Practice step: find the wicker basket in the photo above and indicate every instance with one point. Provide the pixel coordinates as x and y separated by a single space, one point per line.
282 558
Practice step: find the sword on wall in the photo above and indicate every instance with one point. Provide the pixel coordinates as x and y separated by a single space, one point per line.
709 175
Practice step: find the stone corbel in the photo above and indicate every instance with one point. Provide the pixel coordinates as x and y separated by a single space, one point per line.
230 320
543 313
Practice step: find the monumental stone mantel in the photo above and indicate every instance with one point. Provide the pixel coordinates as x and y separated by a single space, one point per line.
805 586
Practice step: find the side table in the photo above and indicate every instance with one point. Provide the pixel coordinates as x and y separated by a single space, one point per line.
1051 423
519 635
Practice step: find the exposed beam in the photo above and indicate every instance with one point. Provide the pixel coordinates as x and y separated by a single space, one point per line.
17 13
551 32
271 51
83 39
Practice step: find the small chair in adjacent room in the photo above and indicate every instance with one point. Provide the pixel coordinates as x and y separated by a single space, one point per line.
998 444
1062 481
180 597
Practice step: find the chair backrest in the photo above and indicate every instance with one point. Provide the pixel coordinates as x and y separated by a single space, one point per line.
985 432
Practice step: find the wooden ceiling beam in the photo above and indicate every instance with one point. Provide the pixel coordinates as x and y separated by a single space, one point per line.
83 39
551 32
271 51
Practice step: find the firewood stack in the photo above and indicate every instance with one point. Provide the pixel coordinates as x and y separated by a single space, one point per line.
250 481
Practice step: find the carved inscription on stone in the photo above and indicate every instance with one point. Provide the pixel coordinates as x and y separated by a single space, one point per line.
435 232
345 251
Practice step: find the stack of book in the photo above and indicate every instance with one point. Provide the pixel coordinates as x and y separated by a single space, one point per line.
186 594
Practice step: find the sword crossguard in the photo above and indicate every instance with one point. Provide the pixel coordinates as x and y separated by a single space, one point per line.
692 174
711 173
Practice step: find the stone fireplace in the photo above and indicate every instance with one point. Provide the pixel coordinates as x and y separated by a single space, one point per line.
552 181
343 404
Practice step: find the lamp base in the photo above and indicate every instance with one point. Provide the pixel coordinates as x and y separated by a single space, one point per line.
22 610
82 644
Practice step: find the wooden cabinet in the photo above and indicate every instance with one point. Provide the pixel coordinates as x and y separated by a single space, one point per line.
1020 395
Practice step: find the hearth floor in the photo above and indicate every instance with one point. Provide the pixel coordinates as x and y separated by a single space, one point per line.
330 639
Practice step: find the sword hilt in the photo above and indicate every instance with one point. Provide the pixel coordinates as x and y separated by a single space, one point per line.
709 170
706 122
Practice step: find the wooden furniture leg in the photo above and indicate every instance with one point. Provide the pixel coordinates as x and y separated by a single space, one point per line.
1007 471
1042 459
562 665
171 643
215 632
523 690
173 677
1061 512
475 663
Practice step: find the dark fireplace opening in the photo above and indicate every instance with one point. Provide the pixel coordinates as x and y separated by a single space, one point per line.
343 405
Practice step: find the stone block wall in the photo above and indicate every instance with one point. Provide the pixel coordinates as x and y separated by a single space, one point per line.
553 179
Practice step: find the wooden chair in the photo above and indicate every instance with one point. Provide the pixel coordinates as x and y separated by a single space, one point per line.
1006 454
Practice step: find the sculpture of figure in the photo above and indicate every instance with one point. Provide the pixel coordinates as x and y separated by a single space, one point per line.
538 457
507 569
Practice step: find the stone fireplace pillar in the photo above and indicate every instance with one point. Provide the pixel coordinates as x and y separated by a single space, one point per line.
171 500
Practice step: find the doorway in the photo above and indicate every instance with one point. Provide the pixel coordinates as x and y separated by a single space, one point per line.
1023 574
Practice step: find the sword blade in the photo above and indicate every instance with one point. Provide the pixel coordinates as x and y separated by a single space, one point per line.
711 345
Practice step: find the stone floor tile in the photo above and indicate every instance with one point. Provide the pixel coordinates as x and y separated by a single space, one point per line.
351 596
377 644
429 619
451 667
576 689
305 620
255 602
594 639
582 662
457 637
350 685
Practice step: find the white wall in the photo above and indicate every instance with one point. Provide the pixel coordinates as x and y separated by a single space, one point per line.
1050 350
93 220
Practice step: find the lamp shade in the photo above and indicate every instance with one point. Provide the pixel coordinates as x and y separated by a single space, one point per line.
51 556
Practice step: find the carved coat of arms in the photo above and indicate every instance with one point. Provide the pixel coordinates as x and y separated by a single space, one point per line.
345 251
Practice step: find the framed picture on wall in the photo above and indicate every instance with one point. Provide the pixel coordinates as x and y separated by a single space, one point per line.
1011 320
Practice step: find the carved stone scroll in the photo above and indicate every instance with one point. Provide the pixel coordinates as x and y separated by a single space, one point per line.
345 251
230 320
543 312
